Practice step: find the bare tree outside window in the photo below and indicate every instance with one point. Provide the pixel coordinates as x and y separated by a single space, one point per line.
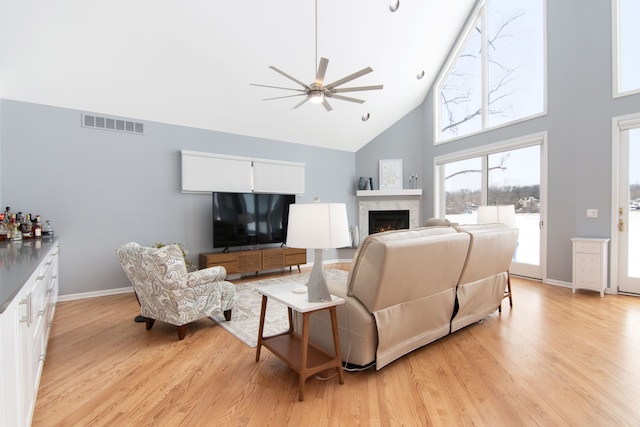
513 51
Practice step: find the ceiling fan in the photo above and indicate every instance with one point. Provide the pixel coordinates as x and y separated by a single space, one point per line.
317 92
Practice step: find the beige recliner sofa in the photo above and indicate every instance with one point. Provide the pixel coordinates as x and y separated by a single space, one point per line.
408 288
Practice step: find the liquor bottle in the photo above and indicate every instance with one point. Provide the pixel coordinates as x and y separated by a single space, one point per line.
46 229
16 234
4 231
26 227
36 228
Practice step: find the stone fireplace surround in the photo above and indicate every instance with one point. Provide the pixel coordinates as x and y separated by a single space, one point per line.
381 200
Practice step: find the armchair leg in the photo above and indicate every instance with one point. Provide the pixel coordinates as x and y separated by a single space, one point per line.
182 331
149 323
227 315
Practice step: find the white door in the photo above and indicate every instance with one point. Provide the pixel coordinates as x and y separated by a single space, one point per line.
628 214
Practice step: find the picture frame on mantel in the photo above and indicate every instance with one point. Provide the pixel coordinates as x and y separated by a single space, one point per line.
390 174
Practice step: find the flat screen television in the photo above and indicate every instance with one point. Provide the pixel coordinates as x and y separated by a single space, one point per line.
249 219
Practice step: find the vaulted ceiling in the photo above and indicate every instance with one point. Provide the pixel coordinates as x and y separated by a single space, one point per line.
191 62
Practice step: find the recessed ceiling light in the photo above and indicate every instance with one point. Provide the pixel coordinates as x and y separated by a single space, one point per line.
420 74
365 117
394 5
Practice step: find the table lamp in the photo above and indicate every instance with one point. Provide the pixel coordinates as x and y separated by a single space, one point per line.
318 226
504 214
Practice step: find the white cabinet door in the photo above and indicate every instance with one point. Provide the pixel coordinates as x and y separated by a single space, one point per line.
12 413
205 172
278 177
209 172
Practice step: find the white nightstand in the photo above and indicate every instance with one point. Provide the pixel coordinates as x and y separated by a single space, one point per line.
590 264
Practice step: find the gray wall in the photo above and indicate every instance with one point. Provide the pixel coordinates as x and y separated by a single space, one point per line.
578 122
404 140
101 189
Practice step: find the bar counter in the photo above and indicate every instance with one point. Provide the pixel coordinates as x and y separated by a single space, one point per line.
18 261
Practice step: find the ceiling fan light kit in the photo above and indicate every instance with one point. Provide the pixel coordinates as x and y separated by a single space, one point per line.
317 92
317 97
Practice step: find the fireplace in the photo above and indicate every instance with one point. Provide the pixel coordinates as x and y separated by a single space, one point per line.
380 221
402 200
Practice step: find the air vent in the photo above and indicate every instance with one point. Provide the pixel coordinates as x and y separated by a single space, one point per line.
112 123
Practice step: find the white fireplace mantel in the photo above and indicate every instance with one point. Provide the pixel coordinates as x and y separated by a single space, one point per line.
390 193
373 200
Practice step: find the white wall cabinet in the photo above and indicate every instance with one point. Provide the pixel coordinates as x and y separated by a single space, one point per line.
208 172
24 333
590 264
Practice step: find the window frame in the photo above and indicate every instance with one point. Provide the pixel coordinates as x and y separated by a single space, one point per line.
615 56
479 12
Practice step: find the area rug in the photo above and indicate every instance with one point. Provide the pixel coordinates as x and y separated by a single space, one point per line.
245 317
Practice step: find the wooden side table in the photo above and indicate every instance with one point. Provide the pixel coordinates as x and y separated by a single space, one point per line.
295 350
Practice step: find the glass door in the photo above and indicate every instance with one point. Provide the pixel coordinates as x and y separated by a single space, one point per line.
503 175
629 212
514 179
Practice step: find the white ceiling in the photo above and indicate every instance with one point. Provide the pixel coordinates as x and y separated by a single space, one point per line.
190 62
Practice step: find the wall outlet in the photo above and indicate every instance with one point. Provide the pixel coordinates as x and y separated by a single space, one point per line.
592 213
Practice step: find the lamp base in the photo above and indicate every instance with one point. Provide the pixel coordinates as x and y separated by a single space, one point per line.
317 284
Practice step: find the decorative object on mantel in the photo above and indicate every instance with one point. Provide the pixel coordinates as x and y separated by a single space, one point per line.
362 183
390 174
413 180
370 183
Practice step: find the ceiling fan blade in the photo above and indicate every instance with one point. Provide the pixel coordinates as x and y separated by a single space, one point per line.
277 70
356 89
350 77
281 97
277 87
348 98
322 69
326 105
301 102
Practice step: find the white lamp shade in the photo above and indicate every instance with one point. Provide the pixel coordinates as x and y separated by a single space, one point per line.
318 226
504 214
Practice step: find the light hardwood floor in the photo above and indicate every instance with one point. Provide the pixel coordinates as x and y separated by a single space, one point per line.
555 359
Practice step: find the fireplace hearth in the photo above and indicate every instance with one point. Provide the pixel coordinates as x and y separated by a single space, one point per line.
380 221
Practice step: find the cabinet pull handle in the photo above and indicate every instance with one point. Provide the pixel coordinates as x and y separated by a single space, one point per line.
39 277
27 318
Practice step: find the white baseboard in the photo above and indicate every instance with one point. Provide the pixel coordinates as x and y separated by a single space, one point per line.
560 283
83 295
95 294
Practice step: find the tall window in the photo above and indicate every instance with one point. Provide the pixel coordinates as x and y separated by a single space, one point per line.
504 173
497 73
627 16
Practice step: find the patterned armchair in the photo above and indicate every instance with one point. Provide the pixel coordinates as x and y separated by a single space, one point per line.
167 292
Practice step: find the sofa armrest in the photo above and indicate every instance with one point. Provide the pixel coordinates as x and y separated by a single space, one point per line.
206 275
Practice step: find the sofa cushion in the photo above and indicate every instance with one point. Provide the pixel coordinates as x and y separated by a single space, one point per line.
484 277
